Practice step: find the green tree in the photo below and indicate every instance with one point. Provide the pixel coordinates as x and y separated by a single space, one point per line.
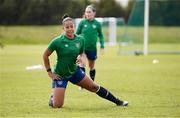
109 9
8 12
165 12
77 8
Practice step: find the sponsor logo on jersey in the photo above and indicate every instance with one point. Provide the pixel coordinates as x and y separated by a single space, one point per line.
85 25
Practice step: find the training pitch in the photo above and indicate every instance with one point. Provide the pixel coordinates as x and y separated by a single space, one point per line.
152 89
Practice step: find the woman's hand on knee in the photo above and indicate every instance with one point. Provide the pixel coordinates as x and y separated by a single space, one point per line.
54 76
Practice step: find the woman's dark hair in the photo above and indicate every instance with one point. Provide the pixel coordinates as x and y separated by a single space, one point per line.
66 17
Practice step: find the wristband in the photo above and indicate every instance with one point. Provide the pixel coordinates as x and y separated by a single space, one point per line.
48 70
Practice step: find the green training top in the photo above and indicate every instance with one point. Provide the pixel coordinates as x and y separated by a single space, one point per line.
91 30
67 51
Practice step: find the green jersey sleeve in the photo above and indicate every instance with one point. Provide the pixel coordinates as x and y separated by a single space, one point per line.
52 45
83 45
79 29
101 37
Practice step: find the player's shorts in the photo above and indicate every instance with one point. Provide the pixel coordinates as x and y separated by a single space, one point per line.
75 78
91 55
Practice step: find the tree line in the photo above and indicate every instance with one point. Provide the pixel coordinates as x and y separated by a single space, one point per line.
164 12
42 12
48 12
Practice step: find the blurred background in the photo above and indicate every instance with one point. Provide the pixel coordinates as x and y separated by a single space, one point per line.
48 12
38 21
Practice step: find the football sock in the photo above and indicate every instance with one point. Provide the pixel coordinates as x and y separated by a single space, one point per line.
92 74
102 92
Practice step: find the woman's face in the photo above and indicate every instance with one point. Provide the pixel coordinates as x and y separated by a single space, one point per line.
89 14
68 27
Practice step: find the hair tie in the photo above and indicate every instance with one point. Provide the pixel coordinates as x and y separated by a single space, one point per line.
66 19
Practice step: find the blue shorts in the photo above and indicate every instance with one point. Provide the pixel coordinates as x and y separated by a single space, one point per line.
91 55
75 78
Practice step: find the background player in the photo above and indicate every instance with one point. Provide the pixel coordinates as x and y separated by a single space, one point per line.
91 29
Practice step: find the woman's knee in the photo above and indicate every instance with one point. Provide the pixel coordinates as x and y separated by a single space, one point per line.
57 104
93 88
58 97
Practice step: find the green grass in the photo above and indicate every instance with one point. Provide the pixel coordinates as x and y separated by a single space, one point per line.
28 34
43 34
151 89
157 34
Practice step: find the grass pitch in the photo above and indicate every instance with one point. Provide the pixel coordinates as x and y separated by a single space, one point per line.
151 89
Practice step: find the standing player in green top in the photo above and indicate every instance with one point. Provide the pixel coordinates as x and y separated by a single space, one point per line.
69 48
90 29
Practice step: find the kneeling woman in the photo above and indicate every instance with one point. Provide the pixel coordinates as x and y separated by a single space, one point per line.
68 47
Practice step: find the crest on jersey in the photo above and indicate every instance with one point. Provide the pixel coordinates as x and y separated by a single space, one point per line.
94 26
85 25
77 45
66 45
